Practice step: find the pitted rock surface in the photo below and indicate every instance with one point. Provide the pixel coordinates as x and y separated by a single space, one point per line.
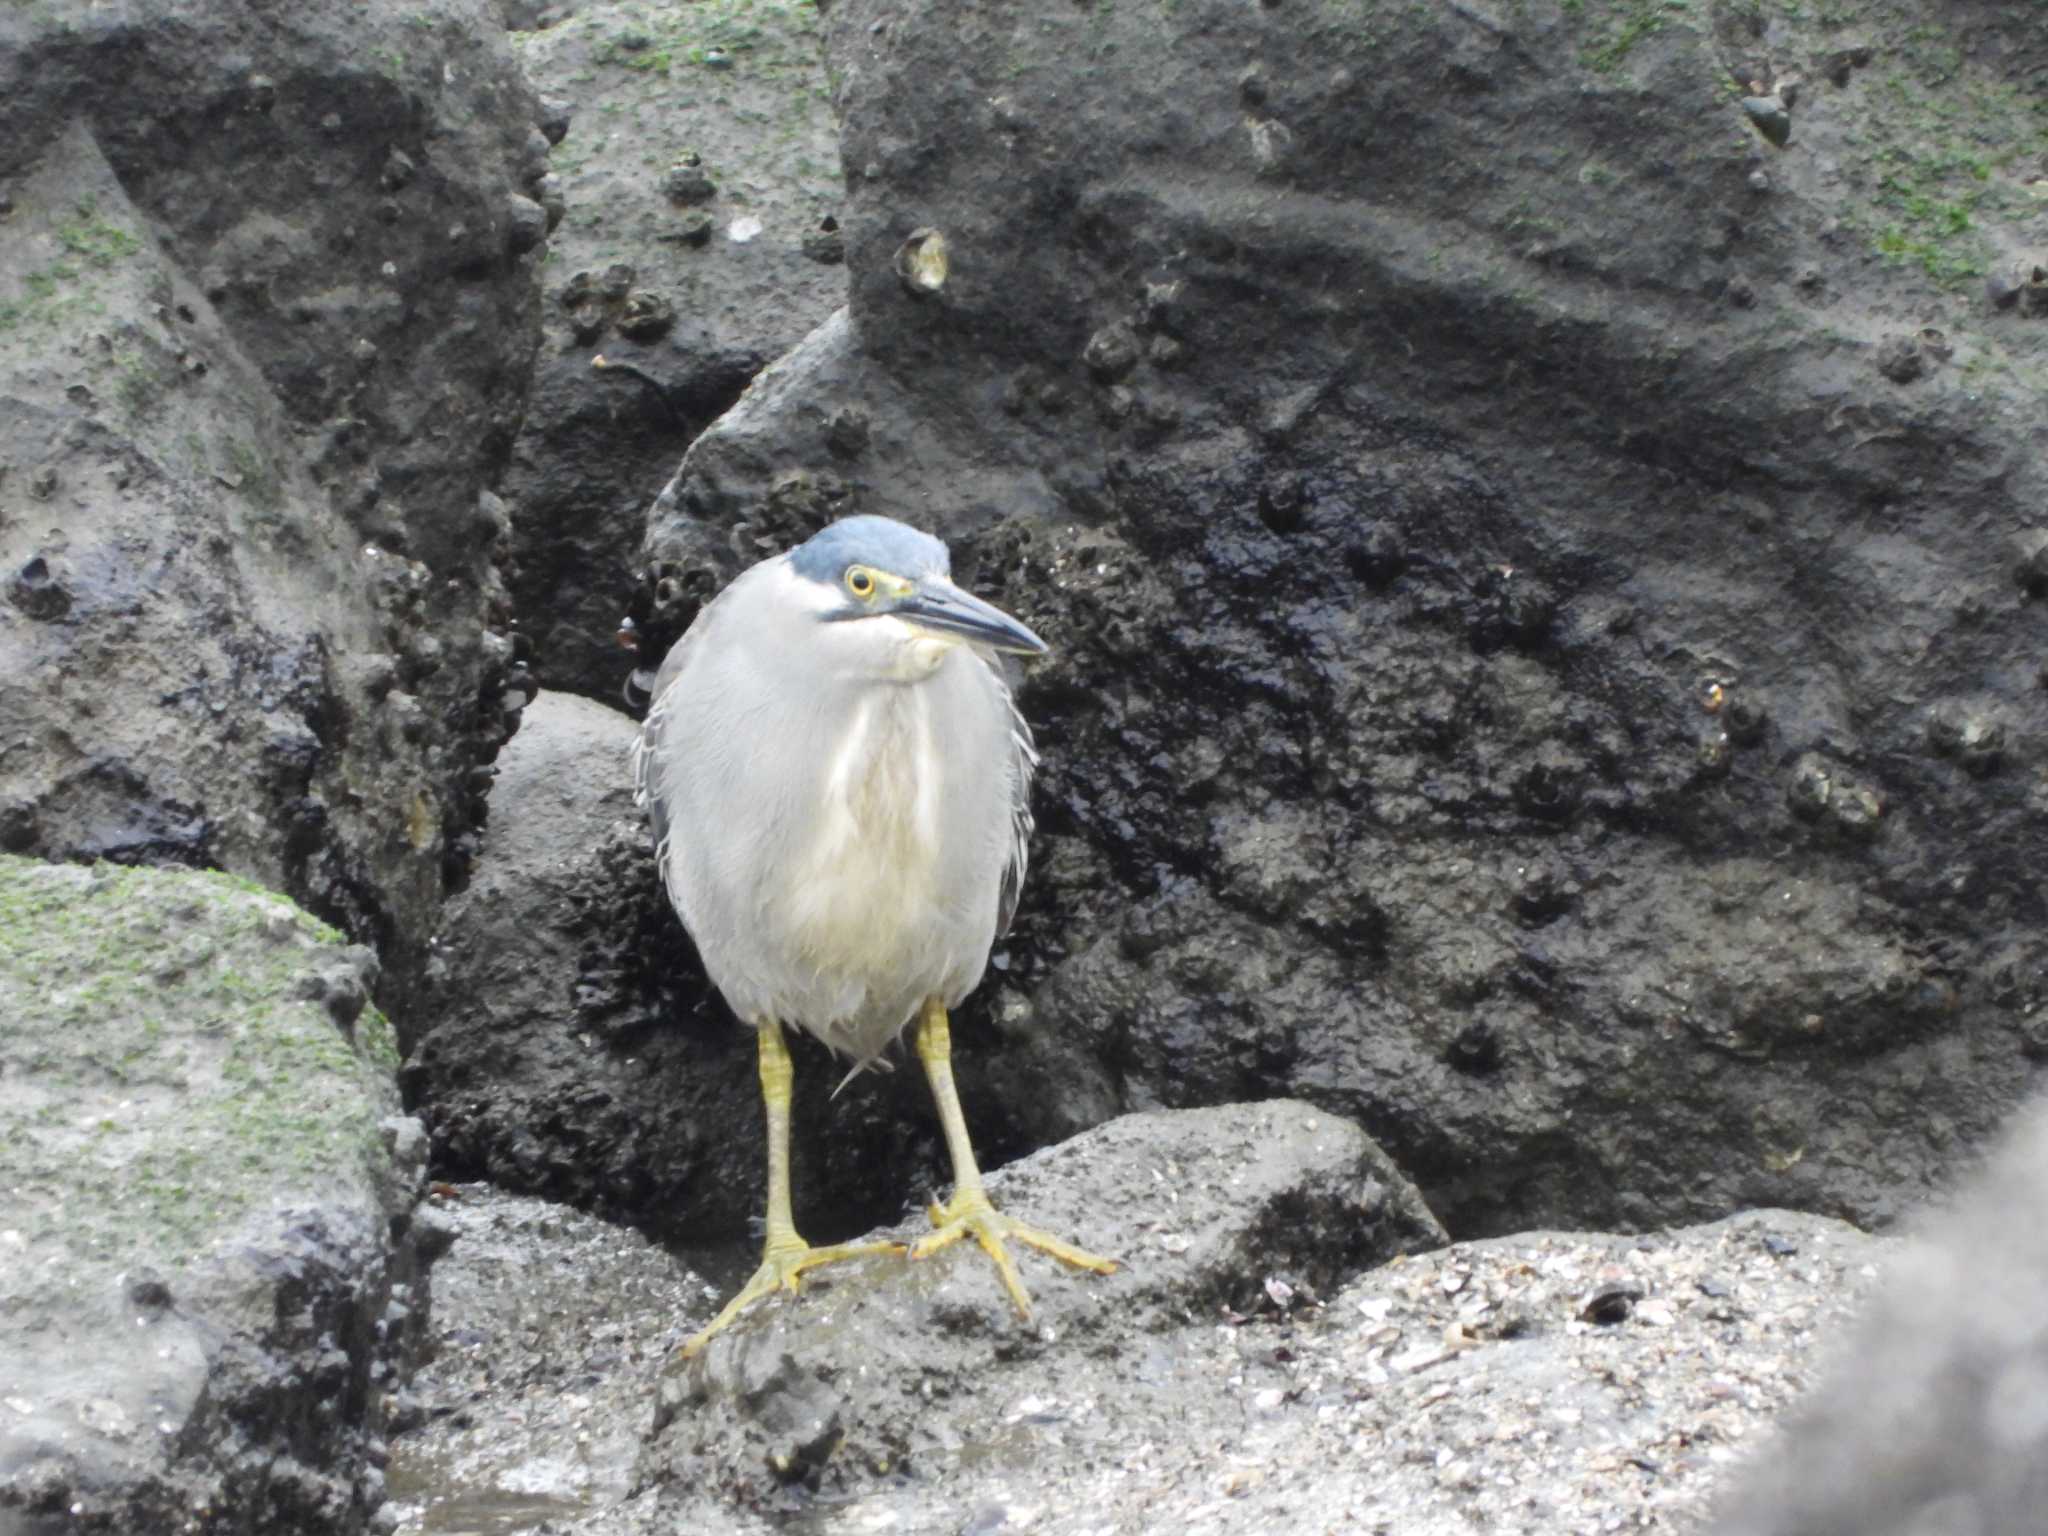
1524 677
263 322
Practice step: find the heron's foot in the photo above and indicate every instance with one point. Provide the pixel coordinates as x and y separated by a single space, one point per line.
969 1213
783 1266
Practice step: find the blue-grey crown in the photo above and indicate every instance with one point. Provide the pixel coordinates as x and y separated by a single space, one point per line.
881 542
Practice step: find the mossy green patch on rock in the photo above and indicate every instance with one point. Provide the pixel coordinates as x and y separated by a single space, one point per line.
1613 28
1951 159
65 248
166 1054
662 40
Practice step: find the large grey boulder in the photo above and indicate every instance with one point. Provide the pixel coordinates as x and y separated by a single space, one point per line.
1934 1416
1209 1212
212 1270
267 299
1544 576
696 191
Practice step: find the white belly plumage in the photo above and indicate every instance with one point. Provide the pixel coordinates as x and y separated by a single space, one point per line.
867 911
865 889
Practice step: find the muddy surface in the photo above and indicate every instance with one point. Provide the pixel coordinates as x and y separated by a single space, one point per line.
549 1331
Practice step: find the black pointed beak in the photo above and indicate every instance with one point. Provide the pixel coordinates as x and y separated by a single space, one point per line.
939 605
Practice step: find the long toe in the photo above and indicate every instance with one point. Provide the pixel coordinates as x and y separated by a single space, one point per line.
969 1214
783 1267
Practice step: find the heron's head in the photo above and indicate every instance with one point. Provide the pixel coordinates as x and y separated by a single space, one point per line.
885 591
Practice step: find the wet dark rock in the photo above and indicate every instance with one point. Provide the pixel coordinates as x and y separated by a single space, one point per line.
209 1287
1931 1419
688 183
1318 738
195 251
645 316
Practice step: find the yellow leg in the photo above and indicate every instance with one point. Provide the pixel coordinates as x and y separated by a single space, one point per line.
969 1211
784 1256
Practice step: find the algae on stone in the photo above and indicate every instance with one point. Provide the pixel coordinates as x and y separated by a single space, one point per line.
167 1069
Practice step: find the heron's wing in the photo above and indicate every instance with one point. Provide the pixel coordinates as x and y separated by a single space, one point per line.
655 740
1023 761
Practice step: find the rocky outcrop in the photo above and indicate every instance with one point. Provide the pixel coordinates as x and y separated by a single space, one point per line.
695 240
1536 671
212 1265
267 300
1234 1376
1935 1414
1208 1211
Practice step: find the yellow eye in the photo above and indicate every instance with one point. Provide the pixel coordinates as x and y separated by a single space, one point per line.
860 581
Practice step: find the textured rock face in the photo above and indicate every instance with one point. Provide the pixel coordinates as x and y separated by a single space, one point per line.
563 1050
1534 673
1209 1210
213 1270
694 187
266 301
1935 1416
1550 1381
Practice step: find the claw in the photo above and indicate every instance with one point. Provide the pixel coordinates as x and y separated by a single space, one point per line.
969 1213
783 1266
